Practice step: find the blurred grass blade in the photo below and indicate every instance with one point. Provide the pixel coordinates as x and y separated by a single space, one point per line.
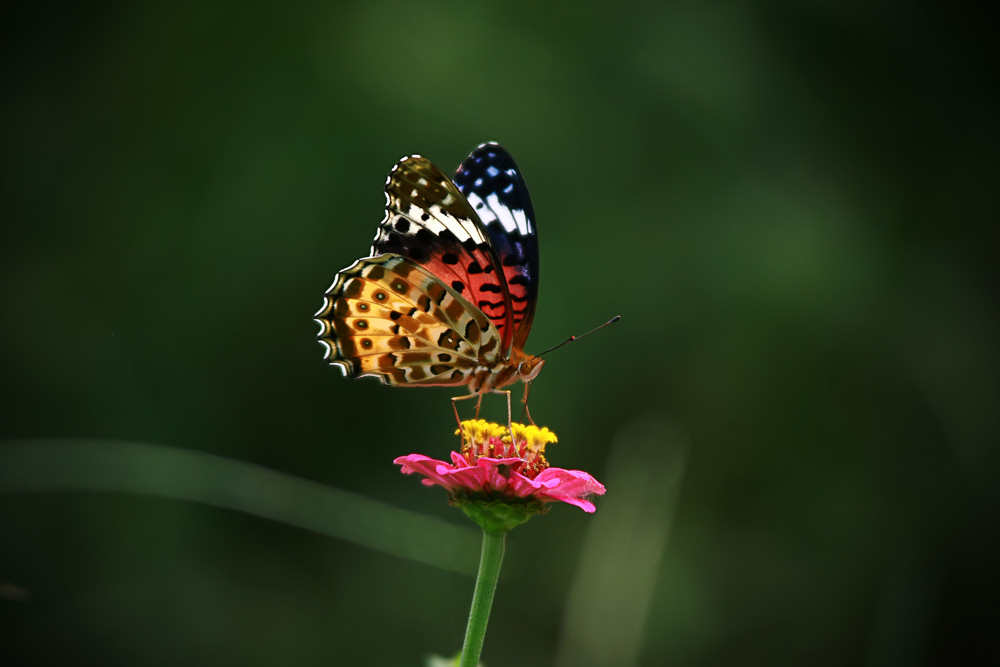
34 466
609 599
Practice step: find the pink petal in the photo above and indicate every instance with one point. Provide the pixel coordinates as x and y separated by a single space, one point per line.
585 505
570 482
430 468
552 484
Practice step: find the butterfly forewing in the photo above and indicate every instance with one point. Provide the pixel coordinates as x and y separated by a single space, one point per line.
429 221
389 318
493 186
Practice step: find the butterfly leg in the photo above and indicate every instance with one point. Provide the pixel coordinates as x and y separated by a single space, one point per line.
458 419
526 412
510 426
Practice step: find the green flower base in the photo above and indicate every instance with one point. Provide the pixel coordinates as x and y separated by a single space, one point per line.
498 517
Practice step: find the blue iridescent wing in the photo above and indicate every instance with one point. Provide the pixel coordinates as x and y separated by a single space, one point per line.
492 183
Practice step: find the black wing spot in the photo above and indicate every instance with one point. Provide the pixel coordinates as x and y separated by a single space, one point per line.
449 258
519 280
474 267
490 287
458 286
425 216
447 338
425 236
445 357
402 225
395 315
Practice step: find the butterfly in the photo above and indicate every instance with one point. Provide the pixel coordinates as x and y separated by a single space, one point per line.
448 293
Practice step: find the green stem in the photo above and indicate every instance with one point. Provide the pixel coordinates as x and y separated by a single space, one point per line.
482 599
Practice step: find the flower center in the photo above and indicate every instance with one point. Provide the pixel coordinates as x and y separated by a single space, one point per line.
483 438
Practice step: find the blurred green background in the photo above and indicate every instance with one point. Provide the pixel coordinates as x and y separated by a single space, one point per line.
792 206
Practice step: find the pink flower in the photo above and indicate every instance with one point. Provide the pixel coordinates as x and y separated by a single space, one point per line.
491 468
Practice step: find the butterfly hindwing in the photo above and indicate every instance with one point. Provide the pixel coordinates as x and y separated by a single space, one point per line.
389 318
494 187
429 221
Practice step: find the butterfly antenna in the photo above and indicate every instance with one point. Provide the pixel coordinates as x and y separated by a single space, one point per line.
573 338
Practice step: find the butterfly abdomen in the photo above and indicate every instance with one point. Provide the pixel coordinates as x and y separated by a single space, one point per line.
497 377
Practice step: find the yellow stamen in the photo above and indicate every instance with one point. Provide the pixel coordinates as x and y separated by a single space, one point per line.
477 434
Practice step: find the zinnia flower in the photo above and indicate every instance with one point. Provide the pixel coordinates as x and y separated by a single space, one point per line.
500 483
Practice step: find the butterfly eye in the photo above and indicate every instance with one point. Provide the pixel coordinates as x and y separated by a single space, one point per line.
529 368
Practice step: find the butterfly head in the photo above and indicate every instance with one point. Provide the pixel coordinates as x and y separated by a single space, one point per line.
528 368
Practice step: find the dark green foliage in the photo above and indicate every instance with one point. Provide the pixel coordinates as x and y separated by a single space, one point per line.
792 208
